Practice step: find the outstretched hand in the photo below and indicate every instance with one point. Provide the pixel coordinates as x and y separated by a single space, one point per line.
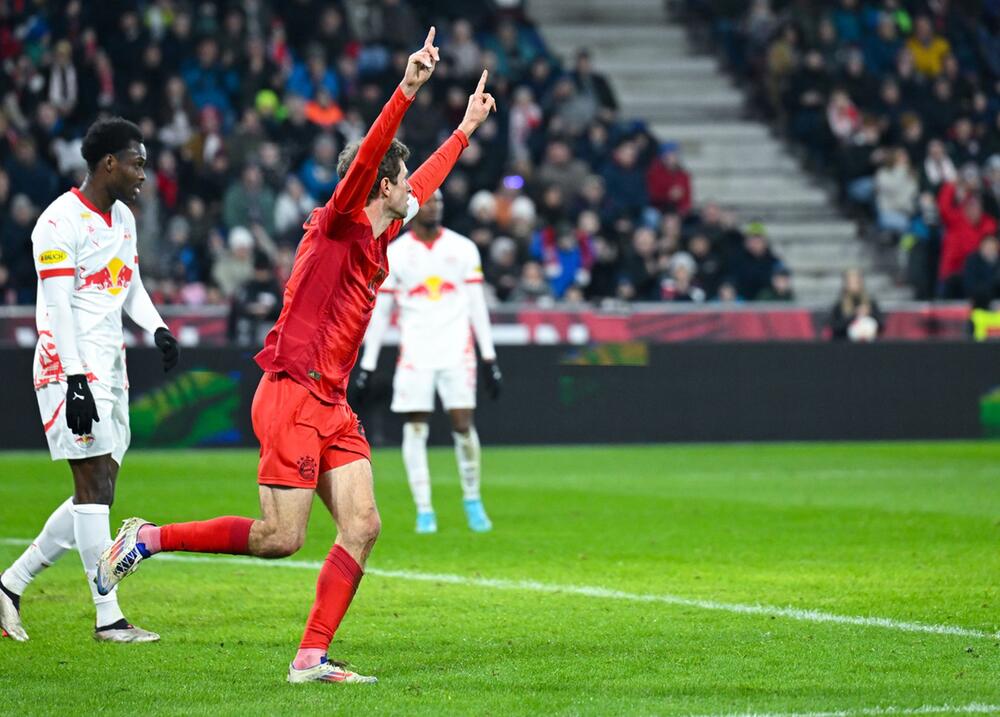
481 103
420 65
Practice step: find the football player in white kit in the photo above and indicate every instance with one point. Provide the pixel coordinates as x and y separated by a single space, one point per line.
436 278
84 245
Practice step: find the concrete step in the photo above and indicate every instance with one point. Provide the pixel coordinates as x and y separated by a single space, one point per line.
620 12
708 98
771 213
755 165
674 114
719 133
769 191
686 84
834 233
611 35
828 287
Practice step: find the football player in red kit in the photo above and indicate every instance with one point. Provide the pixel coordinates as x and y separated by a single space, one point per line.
310 439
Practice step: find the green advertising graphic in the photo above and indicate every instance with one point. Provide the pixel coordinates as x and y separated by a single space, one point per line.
198 408
989 413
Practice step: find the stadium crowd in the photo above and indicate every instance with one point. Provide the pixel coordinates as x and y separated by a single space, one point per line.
245 106
898 101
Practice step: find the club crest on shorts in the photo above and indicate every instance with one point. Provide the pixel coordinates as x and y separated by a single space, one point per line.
307 467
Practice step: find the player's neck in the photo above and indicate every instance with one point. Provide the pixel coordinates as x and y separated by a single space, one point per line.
100 197
378 217
426 233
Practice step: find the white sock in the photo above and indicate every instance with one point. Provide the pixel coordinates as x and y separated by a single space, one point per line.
92 528
54 540
467 454
415 460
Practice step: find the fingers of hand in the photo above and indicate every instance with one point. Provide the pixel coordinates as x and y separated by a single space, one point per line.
429 40
482 82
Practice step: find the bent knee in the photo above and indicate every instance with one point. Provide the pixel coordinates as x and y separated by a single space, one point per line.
364 529
278 544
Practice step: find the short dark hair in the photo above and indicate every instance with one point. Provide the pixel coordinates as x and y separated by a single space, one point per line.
388 168
108 136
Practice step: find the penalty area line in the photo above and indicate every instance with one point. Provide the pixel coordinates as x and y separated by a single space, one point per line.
791 613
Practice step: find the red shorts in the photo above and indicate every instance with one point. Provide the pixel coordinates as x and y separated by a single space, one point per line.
300 436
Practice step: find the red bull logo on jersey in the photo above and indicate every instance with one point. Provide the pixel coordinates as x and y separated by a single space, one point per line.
112 278
433 288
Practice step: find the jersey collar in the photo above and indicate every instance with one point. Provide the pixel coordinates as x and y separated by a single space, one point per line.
90 205
430 244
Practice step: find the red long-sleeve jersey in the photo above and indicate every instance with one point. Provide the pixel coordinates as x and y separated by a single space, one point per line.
340 265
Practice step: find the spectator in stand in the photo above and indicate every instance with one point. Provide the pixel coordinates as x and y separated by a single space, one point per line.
938 167
668 184
991 188
250 201
461 49
29 174
640 279
594 87
625 181
15 248
848 22
710 270
781 287
561 169
566 254
754 266
843 116
895 193
605 274
981 274
234 266
532 288
319 172
882 48
291 209
856 315
927 48
502 270
679 285
964 225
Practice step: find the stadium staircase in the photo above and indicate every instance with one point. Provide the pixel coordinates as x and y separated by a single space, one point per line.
733 161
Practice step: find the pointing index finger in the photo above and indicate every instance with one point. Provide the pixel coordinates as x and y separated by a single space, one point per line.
429 42
482 83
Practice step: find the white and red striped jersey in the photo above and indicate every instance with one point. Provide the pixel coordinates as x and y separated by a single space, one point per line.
73 238
428 281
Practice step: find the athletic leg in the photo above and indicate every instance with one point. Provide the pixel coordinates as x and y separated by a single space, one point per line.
415 432
54 540
349 495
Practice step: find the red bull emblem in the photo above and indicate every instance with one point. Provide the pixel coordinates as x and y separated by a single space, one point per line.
434 288
112 278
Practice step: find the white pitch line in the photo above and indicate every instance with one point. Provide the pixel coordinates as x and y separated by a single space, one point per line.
792 613
971 708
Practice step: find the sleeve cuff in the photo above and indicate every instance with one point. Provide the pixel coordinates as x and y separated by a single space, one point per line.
462 139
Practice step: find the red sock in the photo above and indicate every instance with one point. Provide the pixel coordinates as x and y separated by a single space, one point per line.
219 535
335 588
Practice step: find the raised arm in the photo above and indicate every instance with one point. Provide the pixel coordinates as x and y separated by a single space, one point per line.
352 192
432 173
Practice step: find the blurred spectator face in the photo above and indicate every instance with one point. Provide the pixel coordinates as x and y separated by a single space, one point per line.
854 283
814 61
781 282
588 223
890 92
583 65
461 31
963 130
626 155
973 209
901 158
827 31
904 63
886 27
756 244
727 292
913 128
552 199
137 91
503 252
935 150
711 214
210 120
558 153
923 30
989 249
942 90
208 53
252 177
593 190
63 54
152 56
855 63
175 91
166 163
325 151
507 34
532 274
670 226
483 206
178 231
25 152
644 242
699 246
605 251
47 116
129 24
22 210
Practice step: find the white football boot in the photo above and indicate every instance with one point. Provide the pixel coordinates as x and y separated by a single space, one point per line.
123 631
327 671
10 619
122 557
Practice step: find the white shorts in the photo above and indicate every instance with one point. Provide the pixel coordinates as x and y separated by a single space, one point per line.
413 388
110 435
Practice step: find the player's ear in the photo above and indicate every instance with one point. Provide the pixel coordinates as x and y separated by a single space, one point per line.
109 161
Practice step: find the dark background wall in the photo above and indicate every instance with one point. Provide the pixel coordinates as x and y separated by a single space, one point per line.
610 394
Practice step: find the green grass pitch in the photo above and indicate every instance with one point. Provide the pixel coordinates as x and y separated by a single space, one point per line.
907 532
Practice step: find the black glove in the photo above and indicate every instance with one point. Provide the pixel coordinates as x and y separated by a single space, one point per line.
493 379
81 411
362 387
167 345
